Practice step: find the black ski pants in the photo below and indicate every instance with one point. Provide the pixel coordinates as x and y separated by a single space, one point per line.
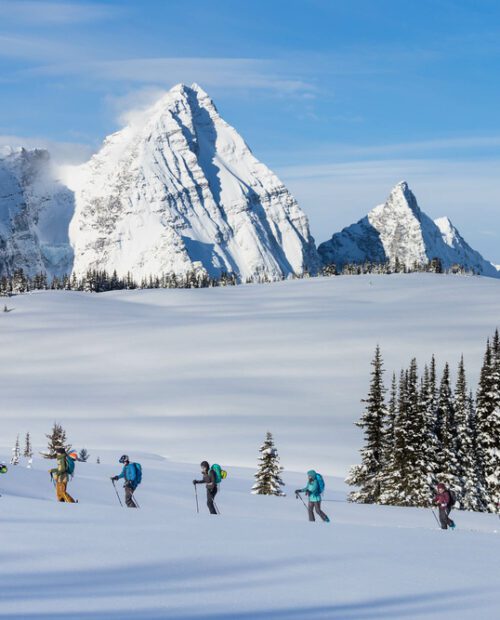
129 497
316 506
444 517
211 493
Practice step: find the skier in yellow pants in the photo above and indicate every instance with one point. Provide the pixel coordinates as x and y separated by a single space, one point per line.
60 475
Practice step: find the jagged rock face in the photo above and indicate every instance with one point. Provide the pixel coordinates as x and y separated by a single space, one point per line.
180 187
35 211
398 229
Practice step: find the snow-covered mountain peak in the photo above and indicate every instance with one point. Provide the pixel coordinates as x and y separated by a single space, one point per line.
179 186
399 230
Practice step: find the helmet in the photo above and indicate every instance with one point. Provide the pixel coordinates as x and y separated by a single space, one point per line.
124 458
73 455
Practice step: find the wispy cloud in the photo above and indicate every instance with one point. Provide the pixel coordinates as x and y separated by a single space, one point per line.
219 72
60 151
40 12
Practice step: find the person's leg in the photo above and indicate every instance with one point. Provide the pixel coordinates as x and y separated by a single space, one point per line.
317 506
450 522
66 496
129 500
443 518
210 501
60 489
310 508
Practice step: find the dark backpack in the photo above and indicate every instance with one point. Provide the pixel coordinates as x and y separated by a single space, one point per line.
453 498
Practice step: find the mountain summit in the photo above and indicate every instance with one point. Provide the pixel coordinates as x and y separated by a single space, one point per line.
399 229
179 188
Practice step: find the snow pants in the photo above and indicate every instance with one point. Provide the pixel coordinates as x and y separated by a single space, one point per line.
61 492
316 506
444 518
129 497
211 493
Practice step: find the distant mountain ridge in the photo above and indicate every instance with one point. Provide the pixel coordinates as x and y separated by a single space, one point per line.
400 230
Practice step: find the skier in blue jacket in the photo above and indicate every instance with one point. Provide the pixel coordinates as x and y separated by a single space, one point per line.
129 473
313 492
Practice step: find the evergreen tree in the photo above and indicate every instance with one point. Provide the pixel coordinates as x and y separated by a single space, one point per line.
393 477
28 450
448 468
367 475
83 455
268 477
98 461
488 424
57 439
16 453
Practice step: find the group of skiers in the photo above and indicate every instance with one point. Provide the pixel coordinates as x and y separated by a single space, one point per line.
212 476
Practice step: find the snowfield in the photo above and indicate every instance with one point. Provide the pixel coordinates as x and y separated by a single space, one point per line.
172 377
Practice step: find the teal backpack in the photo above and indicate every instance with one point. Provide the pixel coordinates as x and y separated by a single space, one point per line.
138 473
321 483
220 474
70 465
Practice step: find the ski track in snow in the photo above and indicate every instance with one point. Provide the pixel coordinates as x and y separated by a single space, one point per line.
203 374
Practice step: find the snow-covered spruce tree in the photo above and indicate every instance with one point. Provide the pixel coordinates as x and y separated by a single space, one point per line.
28 450
16 453
488 424
428 404
268 477
470 493
367 475
393 476
57 439
448 468
83 455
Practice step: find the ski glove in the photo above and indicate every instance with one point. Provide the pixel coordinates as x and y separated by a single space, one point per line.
298 491
115 478
195 482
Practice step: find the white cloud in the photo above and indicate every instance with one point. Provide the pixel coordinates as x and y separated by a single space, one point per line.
242 73
40 12
61 152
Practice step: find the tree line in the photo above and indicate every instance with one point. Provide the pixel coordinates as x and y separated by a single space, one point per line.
99 281
426 431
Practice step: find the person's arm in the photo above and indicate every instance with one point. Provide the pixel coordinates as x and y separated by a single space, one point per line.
121 475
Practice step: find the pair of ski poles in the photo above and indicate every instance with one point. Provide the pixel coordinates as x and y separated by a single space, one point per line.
119 498
197 505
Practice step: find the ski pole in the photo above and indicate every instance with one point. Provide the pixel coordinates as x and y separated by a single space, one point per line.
299 496
432 510
135 502
196 495
217 508
117 495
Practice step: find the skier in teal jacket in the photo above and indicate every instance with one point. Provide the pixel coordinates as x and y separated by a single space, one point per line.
313 492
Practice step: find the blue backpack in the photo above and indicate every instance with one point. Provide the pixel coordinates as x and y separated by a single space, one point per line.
138 473
70 465
321 483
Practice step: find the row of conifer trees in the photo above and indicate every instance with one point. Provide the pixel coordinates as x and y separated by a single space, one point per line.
430 431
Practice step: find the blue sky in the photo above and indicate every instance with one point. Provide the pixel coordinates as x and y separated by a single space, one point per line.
341 99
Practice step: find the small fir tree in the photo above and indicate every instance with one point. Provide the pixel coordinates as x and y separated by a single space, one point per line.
268 477
367 475
16 453
83 455
28 449
98 460
57 439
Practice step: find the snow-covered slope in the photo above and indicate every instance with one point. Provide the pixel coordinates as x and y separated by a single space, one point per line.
179 186
35 211
400 229
259 559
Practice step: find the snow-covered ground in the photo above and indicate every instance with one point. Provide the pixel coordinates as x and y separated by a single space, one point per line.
198 374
